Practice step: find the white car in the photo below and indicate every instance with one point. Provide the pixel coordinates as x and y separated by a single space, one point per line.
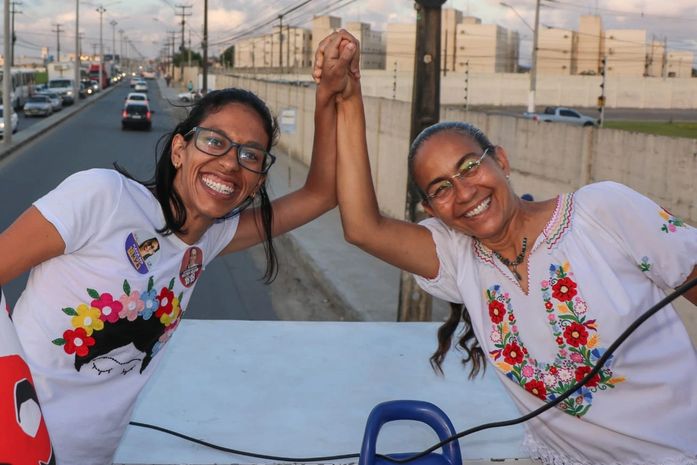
189 96
38 105
139 97
14 120
140 86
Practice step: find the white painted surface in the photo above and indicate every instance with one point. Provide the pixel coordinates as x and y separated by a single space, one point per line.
305 389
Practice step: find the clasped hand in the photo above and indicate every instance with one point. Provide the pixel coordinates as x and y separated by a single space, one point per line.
336 69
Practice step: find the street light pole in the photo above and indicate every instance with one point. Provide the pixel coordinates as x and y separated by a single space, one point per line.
76 84
101 10
533 65
113 41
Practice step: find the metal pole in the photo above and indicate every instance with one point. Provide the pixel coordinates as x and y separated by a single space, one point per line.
533 66
7 79
101 11
204 85
76 84
280 42
414 303
113 41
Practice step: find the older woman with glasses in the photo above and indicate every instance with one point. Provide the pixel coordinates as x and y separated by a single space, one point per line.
99 306
543 289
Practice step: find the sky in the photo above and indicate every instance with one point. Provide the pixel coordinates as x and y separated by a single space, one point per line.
146 22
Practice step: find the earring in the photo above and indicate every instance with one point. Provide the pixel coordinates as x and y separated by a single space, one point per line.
508 176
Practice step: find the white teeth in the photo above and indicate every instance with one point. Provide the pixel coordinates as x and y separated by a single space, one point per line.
217 186
479 208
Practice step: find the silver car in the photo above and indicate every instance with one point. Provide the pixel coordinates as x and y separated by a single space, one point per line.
38 105
14 121
56 99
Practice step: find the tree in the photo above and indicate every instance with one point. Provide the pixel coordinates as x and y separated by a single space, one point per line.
184 56
227 58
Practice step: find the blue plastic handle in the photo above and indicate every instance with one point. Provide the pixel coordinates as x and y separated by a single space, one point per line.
416 410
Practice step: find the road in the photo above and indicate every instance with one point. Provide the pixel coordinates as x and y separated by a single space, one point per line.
229 289
611 114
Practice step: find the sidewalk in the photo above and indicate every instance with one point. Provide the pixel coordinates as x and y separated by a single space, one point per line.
367 288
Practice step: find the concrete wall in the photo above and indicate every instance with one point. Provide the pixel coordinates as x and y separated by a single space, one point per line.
546 158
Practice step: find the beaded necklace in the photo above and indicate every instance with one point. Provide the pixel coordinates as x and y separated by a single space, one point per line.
513 264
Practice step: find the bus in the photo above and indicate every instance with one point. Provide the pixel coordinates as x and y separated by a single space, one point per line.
23 81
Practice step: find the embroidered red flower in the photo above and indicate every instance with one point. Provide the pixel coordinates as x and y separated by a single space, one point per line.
576 334
109 307
583 371
536 388
548 305
77 342
512 353
560 341
496 311
553 370
166 297
564 289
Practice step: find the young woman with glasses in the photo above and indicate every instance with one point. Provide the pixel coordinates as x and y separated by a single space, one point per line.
543 289
99 306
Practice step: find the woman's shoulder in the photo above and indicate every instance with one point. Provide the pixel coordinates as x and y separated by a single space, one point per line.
603 189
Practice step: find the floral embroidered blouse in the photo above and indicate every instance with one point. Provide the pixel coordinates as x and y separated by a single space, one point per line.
606 256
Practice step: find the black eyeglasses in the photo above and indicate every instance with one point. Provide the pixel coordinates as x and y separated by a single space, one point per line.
217 144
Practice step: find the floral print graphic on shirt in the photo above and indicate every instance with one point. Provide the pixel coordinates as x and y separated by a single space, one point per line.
645 265
574 334
145 319
672 223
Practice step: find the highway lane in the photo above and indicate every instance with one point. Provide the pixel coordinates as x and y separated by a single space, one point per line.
230 287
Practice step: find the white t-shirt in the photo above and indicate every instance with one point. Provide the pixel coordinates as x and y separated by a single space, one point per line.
93 321
604 258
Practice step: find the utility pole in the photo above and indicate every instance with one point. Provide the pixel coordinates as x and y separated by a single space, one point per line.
183 15
601 99
58 31
664 62
280 42
533 66
101 10
414 303
6 75
121 57
14 12
76 79
113 41
204 85
172 42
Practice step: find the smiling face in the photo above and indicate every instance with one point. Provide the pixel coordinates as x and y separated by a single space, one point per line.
210 187
482 203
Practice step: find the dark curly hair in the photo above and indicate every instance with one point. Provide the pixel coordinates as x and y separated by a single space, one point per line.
468 342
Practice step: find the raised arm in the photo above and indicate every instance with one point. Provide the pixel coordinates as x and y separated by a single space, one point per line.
30 240
318 195
405 245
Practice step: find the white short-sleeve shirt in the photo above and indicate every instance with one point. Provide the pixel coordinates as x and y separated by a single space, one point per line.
606 256
93 321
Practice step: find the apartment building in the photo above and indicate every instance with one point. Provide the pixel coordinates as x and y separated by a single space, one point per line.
625 52
485 48
557 52
450 18
590 45
679 64
291 47
400 46
372 45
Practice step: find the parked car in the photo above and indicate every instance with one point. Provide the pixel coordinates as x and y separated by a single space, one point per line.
190 96
38 105
136 115
136 97
14 121
56 99
562 115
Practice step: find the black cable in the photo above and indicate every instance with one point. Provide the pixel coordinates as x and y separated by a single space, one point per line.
497 424
247 454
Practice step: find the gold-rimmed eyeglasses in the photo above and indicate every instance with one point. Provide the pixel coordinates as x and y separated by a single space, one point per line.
441 190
